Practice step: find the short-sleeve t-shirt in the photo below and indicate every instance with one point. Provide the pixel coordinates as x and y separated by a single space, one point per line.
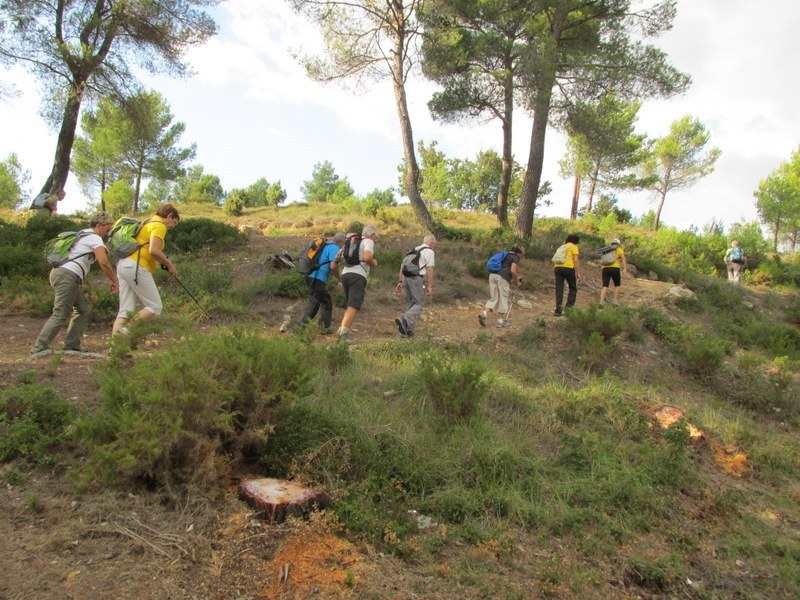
572 251
367 245
81 254
510 259
427 258
618 262
326 257
156 227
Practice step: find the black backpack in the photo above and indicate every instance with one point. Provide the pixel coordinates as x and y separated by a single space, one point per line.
410 263
351 250
308 261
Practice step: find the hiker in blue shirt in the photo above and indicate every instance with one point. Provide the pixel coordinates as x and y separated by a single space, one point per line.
319 298
735 261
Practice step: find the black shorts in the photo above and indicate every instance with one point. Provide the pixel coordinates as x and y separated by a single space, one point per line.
611 274
355 288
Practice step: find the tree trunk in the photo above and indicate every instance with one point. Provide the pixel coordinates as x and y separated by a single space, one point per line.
533 175
592 188
576 195
412 168
508 157
66 137
776 229
663 195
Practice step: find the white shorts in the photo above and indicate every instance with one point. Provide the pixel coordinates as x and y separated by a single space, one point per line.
146 290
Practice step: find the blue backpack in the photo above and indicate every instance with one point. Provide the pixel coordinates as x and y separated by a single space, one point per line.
495 263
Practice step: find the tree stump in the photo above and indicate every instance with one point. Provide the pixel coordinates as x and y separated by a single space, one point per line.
279 498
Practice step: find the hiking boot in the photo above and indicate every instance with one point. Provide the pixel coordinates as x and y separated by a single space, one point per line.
502 323
558 313
482 319
601 304
615 303
402 326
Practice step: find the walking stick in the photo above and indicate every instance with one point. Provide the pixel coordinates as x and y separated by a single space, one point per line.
185 289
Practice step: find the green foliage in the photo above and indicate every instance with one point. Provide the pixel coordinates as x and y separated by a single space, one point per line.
119 198
33 420
264 193
12 179
326 186
235 202
607 323
705 355
595 351
197 186
184 416
663 327
456 387
22 247
190 235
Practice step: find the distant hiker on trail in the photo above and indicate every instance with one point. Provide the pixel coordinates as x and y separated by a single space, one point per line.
135 272
612 265
46 203
413 269
358 256
319 298
500 281
66 281
566 267
735 261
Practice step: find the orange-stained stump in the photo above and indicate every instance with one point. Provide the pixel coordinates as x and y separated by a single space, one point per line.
278 498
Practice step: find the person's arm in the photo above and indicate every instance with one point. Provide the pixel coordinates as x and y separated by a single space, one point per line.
429 272
576 263
369 259
515 277
156 251
101 256
624 263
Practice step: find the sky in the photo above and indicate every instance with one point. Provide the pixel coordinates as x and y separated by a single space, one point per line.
252 111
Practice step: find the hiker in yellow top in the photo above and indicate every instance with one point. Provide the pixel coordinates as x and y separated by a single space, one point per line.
135 273
568 271
612 272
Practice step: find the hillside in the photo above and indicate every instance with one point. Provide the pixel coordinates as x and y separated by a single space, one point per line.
560 484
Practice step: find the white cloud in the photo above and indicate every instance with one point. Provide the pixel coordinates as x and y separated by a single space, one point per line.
254 113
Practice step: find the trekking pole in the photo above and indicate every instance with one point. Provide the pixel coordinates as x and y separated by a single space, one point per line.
185 289
511 302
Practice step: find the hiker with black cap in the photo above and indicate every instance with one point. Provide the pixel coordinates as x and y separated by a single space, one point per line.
70 305
613 265
566 269
414 268
358 256
319 298
500 281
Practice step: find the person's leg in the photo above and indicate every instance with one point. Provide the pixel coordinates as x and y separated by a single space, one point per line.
415 294
355 287
572 282
502 308
616 277
559 275
66 285
312 304
79 322
132 287
737 271
605 276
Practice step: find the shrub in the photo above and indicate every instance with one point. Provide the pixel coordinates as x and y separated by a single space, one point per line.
595 351
704 356
33 419
183 416
608 323
662 326
190 235
456 387
234 203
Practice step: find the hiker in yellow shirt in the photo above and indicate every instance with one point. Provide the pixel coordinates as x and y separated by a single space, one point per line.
613 272
568 271
135 272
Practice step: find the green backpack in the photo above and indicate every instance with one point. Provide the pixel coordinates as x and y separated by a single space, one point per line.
122 237
56 251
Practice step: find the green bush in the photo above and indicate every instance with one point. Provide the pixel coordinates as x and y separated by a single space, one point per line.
22 247
192 234
33 419
607 323
662 326
595 351
704 356
456 386
182 417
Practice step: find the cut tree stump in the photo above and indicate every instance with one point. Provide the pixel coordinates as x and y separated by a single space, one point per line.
279 498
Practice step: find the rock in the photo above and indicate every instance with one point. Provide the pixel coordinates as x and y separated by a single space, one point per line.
679 291
652 276
279 498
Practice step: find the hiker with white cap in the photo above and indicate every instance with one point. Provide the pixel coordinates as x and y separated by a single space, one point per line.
612 265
